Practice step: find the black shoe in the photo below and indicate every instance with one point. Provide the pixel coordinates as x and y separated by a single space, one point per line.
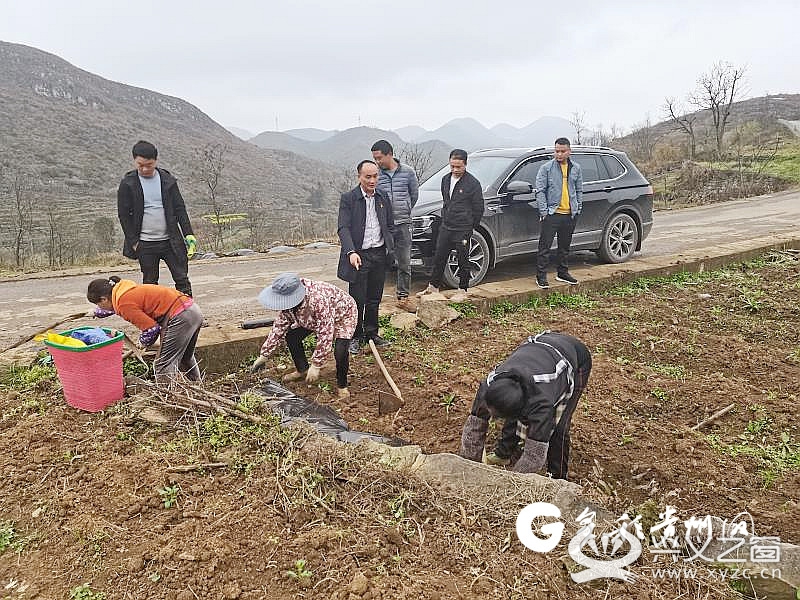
541 281
566 278
355 346
380 342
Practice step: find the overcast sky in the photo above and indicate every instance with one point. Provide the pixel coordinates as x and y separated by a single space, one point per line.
340 63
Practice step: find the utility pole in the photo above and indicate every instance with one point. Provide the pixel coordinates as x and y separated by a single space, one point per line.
276 122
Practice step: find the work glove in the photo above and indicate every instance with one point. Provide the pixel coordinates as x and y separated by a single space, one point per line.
312 374
149 336
533 457
258 363
473 438
191 245
102 313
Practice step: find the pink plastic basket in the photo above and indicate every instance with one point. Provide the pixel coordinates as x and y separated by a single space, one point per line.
91 376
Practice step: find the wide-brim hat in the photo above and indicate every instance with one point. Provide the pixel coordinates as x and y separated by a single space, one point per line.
286 291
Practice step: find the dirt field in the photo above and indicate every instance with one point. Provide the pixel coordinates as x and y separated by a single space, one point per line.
89 510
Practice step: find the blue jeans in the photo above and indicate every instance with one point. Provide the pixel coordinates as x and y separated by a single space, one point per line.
402 251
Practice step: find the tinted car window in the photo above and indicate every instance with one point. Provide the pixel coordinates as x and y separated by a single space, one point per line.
613 166
528 171
592 168
485 168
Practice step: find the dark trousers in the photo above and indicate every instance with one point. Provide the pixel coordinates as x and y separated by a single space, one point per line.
367 291
151 254
445 242
558 452
552 226
294 341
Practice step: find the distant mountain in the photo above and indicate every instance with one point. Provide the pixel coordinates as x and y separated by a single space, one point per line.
543 132
242 134
278 140
465 133
505 131
411 133
310 134
471 135
72 131
346 148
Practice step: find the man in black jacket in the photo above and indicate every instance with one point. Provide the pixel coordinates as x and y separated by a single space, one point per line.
366 225
154 219
462 209
536 390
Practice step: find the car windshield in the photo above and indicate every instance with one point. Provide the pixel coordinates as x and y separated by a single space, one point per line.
485 168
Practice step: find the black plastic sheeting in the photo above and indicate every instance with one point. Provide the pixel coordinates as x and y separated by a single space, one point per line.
292 408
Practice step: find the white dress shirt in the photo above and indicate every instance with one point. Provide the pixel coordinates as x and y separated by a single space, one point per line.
373 238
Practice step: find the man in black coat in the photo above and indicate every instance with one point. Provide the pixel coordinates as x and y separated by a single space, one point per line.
536 390
366 226
462 209
154 219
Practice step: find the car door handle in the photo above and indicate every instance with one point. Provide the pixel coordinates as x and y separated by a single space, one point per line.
608 188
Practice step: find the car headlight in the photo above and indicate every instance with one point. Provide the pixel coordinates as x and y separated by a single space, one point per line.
422 223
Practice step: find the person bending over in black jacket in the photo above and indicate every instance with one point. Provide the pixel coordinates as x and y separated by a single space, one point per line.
536 390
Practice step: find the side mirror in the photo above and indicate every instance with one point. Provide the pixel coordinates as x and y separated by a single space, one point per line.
517 187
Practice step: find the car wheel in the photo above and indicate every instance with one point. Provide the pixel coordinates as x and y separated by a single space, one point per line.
620 238
478 262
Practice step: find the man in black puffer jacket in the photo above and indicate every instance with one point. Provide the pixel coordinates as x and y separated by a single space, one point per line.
536 390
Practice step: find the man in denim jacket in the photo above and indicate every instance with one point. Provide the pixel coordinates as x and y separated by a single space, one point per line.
559 198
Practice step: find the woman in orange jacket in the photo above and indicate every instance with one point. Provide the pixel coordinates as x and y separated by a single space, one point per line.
157 311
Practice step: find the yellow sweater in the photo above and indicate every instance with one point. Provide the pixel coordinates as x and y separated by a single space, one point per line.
563 208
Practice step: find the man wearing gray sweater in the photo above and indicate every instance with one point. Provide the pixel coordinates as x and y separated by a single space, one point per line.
399 183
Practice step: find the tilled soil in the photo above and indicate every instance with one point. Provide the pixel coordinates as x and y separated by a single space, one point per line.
665 357
87 494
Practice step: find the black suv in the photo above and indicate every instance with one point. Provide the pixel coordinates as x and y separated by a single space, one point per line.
617 209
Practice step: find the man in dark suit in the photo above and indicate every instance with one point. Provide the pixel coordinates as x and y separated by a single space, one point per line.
462 209
366 226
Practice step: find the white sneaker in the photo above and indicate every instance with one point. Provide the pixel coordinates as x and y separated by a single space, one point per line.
428 290
459 296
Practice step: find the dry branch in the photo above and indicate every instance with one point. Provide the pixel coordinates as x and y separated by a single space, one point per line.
713 417
182 394
46 329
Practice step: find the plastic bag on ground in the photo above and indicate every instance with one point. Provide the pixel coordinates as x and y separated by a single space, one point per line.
291 408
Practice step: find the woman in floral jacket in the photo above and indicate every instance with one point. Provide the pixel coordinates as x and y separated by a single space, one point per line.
308 307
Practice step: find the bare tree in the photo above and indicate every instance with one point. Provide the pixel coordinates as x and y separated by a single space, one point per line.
600 137
683 121
103 230
644 139
21 192
716 92
418 157
578 122
755 150
211 164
